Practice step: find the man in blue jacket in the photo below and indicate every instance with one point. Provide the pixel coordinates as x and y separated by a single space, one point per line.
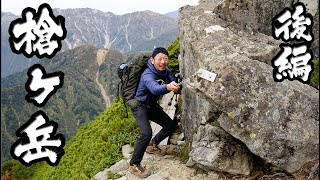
155 81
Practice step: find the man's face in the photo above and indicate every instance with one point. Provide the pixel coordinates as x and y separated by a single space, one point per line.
160 61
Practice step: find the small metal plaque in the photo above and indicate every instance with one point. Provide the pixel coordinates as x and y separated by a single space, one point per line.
210 76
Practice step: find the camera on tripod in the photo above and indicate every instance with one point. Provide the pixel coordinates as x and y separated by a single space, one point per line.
178 79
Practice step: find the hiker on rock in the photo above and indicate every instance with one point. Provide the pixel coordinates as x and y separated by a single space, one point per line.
156 80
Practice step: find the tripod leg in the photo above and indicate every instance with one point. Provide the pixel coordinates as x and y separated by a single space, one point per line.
169 104
176 105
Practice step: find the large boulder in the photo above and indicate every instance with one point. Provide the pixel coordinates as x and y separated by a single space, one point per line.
278 121
214 149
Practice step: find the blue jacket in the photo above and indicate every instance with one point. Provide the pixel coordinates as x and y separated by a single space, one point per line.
149 88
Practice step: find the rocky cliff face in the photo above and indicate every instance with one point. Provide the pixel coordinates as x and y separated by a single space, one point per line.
278 121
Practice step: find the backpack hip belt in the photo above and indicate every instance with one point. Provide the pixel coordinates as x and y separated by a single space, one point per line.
132 103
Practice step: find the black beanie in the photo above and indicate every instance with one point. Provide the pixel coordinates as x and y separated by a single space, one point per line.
159 50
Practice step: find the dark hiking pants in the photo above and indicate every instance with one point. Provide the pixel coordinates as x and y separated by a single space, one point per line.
143 115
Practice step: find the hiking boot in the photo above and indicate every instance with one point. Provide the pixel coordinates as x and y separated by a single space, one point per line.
139 171
154 149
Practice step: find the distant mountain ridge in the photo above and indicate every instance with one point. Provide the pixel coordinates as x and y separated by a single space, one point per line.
11 62
128 33
173 14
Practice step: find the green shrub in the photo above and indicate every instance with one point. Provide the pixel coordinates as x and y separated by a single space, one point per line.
315 74
184 153
17 170
22 171
96 146
174 51
8 166
114 176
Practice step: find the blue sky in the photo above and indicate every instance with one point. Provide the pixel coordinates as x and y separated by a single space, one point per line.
116 6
